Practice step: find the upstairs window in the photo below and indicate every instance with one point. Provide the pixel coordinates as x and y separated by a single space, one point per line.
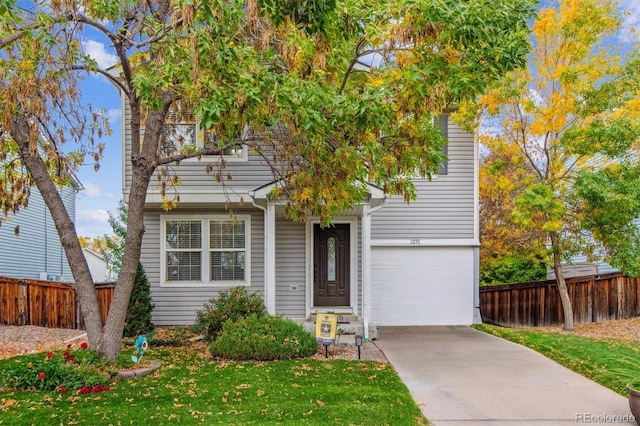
182 134
443 121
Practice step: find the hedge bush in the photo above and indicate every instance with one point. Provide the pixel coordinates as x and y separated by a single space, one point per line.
231 305
512 269
263 338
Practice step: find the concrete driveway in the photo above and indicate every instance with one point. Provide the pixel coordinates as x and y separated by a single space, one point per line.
461 376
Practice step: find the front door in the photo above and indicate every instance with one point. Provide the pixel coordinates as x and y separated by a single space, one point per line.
331 269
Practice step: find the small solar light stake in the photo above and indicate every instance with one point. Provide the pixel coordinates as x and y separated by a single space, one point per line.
358 343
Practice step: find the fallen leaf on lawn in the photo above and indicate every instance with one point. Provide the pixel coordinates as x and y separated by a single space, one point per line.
243 386
178 405
224 399
320 403
295 385
8 403
260 392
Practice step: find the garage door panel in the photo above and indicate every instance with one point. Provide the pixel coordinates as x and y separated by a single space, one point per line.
422 286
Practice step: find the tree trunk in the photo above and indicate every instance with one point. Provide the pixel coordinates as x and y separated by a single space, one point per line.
90 307
567 309
143 165
126 278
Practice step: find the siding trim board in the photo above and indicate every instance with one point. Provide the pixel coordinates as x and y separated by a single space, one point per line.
416 242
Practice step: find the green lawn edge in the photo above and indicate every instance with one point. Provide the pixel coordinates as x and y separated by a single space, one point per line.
608 362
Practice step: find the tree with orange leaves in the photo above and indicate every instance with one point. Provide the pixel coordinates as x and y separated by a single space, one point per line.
572 119
508 253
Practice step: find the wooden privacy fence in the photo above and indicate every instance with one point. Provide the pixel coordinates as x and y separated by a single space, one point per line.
594 299
46 303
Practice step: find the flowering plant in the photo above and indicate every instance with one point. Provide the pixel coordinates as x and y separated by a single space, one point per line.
71 370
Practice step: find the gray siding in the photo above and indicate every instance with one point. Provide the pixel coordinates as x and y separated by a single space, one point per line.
248 175
444 207
177 305
37 247
290 268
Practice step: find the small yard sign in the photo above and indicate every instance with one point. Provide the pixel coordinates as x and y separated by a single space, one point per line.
326 325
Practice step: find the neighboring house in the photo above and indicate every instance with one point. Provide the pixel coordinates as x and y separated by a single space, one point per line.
383 262
35 251
97 266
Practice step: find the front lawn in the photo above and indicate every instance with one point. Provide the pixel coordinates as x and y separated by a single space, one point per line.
191 388
609 362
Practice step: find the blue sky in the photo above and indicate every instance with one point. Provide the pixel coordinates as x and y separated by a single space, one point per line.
103 189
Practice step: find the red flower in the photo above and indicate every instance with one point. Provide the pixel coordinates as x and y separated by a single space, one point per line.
63 389
41 376
66 354
49 355
70 358
84 345
69 346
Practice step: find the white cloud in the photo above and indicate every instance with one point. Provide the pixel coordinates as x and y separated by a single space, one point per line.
94 191
92 223
97 51
114 115
98 215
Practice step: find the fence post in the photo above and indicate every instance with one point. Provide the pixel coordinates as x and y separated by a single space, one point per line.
24 310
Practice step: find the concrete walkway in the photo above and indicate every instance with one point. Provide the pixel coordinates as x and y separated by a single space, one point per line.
461 376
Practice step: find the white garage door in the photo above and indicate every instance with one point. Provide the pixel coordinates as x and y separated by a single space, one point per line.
422 285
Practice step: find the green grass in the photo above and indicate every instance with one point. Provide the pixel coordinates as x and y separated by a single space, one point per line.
609 362
190 388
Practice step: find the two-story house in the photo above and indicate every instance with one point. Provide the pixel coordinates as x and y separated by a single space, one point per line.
383 262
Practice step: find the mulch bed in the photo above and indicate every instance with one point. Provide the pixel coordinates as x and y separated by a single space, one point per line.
626 329
28 339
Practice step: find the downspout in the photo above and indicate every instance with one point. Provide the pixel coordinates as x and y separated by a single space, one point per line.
477 315
269 298
366 263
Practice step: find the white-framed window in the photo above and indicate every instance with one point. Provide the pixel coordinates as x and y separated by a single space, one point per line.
212 250
182 133
442 122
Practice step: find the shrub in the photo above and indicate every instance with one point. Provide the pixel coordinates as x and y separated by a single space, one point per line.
263 338
512 269
231 305
70 370
138 319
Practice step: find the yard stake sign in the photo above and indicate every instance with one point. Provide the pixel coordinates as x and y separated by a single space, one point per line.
326 325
